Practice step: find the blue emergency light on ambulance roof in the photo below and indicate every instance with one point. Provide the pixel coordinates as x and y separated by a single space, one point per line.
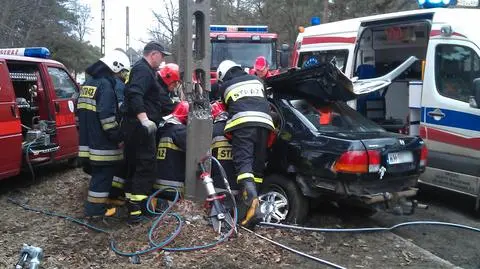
315 21
234 28
435 3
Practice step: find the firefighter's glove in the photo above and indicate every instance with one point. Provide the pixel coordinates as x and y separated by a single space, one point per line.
250 198
149 125
249 191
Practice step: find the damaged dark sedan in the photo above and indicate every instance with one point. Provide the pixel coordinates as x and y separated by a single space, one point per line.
326 150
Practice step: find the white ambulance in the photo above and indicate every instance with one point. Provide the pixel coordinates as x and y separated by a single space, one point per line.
434 91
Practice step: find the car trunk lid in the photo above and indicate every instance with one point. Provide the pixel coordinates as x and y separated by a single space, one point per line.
398 154
326 82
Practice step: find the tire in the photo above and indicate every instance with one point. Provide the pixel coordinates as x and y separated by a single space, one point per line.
277 189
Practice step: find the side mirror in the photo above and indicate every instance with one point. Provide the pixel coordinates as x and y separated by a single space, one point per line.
475 99
284 55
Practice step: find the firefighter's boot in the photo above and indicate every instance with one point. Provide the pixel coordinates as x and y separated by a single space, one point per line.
250 198
137 211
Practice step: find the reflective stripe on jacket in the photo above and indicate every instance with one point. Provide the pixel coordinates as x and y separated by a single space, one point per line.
246 103
99 122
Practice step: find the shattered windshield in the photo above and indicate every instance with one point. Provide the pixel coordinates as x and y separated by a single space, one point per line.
334 117
242 52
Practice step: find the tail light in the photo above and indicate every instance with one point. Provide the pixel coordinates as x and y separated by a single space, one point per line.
423 156
358 161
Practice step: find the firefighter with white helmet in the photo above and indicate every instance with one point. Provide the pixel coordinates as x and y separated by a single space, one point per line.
249 124
99 120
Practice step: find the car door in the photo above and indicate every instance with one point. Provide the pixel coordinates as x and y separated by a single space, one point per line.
10 128
450 125
63 91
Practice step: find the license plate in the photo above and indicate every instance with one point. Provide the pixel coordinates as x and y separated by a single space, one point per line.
400 157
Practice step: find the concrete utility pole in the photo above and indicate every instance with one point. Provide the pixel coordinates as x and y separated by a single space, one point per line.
102 35
127 31
199 127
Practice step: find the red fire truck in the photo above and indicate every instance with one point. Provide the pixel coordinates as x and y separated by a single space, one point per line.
242 44
37 111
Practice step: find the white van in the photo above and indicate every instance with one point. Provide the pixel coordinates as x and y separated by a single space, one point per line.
436 97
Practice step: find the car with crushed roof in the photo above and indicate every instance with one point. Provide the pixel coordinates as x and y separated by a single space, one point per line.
325 150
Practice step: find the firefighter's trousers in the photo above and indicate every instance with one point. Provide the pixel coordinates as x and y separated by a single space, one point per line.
249 150
99 189
117 192
140 158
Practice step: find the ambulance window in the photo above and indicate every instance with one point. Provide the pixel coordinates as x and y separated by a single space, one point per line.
455 69
338 56
64 86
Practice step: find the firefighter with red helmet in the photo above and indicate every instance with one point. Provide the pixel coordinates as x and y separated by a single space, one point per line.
172 144
170 74
99 145
261 68
249 124
222 149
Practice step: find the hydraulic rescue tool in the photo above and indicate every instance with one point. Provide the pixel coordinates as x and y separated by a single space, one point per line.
219 213
29 255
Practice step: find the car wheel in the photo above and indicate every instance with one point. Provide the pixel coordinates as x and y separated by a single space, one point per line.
282 201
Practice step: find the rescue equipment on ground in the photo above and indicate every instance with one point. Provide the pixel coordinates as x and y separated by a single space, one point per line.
30 257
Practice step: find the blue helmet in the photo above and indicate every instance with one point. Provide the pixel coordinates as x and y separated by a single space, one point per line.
311 62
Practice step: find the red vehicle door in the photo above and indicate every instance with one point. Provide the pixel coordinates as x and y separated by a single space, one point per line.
10 128
63 90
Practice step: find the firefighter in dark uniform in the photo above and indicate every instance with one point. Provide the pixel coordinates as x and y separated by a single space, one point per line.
172 137
146 101
249 125
222 150
100 138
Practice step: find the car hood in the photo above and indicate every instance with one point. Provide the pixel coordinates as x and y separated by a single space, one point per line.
327 83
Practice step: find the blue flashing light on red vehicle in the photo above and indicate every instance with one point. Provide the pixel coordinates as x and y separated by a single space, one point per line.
36 52
235 28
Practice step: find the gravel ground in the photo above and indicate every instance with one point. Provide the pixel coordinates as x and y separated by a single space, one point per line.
68 245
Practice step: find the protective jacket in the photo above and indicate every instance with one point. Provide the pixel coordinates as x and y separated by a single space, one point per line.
146 92
222 150
246 103
99 122
172 143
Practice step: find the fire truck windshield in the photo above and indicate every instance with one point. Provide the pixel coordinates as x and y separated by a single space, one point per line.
243 52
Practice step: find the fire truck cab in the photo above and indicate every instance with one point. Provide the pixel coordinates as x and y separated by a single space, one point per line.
37 110
241 44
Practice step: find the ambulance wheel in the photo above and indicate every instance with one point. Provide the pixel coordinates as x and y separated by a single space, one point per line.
282 201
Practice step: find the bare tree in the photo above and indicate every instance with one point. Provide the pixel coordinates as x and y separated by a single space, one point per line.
82 18
167 23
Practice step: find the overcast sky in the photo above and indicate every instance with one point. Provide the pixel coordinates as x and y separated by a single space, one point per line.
141 19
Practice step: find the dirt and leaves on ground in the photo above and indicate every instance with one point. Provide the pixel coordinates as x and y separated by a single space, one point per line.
69 245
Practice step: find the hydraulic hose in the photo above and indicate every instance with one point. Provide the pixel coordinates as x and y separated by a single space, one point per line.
373 229
59 215
303 254
159 217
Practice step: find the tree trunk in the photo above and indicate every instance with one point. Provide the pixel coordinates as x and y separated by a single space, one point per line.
326 11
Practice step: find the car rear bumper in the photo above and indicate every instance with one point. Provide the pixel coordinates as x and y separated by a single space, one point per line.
387 196
368 192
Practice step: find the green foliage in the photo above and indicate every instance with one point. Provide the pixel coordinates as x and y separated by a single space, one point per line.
48 23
